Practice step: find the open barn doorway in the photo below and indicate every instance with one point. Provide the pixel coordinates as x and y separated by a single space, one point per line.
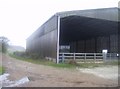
82 34
88 35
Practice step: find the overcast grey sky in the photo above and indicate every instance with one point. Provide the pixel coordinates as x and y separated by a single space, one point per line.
20 18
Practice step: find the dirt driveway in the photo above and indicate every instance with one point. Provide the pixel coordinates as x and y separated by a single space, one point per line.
46 76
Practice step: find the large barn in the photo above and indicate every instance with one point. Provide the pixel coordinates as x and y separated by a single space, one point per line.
81 31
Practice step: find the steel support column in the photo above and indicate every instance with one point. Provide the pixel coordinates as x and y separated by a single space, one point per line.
58 36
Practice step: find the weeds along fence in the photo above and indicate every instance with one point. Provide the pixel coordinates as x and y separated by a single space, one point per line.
88 57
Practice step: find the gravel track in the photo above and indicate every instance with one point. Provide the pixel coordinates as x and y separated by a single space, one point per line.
46 76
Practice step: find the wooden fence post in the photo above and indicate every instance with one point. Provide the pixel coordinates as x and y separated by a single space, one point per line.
110 56
63 57
104 57
74 56
85 58
94 57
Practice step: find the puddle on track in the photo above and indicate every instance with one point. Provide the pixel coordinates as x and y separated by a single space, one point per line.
5 82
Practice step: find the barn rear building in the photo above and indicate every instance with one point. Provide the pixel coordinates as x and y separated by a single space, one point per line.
81 31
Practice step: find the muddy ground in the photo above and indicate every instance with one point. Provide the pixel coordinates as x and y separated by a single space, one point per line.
46 76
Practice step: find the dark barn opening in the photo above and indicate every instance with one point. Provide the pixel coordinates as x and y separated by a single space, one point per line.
88 35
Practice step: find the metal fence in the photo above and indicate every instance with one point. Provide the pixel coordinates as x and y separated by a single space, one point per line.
112 56
88 57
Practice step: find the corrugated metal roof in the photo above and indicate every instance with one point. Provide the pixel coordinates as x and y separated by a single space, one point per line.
110 14
104 13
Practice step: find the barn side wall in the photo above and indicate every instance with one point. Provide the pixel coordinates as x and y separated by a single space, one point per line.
96 44
44 41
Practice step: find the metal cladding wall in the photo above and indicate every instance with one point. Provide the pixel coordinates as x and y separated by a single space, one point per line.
119 31
44 40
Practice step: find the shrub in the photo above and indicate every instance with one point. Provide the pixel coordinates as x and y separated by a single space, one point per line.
27 55
73 62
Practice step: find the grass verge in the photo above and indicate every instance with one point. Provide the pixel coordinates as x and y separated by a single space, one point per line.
43 62
2 70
